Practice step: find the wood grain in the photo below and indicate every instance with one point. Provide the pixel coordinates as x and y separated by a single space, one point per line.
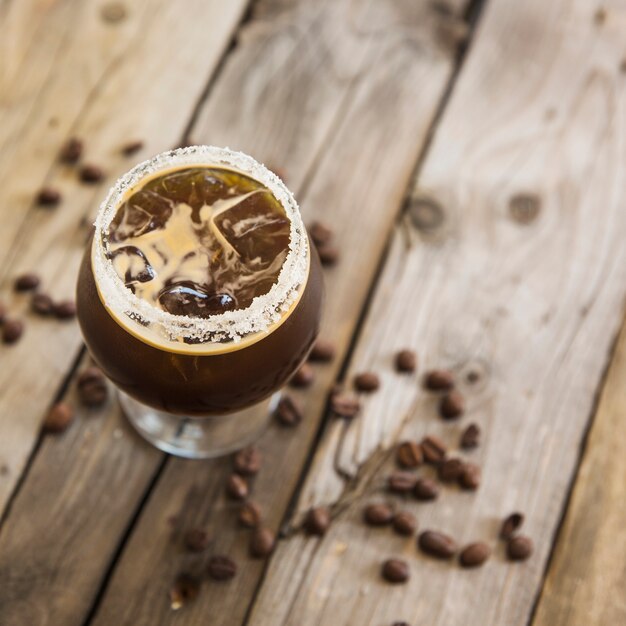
529 301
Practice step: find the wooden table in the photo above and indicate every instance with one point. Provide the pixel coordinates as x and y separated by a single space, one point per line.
471 160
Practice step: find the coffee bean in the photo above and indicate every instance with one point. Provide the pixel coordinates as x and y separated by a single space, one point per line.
426 489
345 404
470 476
437 544
196 539
317 521
470 437
511 524
401 482
60 416
450 470
406 361
322 352
474 554
395 571
320 233
92 387
367 382
329 255
237 487
27 282
42 304
3 313
48 196
71 151
250 514
91 174
12 330
132 147
409 454
303 377
404 523
65 310
378 514
439 380
262 543
184 590
89 375
433 449
221 568
519 548
288 412
247 461
452 405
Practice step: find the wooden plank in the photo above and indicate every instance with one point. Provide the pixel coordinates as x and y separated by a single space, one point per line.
356 99
529 302
117 83
585 581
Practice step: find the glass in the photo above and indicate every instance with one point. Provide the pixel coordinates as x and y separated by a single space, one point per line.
199 387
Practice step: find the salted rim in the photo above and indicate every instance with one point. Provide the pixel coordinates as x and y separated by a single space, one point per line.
263 311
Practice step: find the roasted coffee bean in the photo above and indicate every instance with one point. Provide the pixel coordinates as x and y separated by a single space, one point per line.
71 151
437 544
439 380
317 521
519 548
42 304
27 282
184 590
378 514
329 255
322 351
89 375
12 330
221 568
450 470
196 539
320 233
426 489
433 449
345 404
65 310
470 437
511 524
3 313
452 405
288 412
48 196
470 476
409 454
401 482
367 382
60 416
262 543
474 554
406 361
250 514
404 523
303 377
92 387
91 174
237 487
247 461
395 571
132 147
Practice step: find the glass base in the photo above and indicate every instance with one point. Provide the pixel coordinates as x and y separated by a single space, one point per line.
198 437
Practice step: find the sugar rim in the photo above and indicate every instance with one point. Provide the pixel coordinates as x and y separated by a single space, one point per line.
264 310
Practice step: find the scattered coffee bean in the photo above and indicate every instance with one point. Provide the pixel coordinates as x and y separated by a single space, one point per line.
433 449
450 470
519 548
345 404
60 416
48 196
27 282
322 351
237 487
42 304
406 361
288 412
511 524
3 313
262 543
65 310
303 377
378 514
367 382
12 330
320 233
317 521
470 437
470 476
89 375
426 489
404 523
113 12
474 554
409 454
437 544
221 568
395 571
452 405
439 380
401 482
92 387
91 174
250 514
184 590
196 539
247 462
132 147
71 151
329 255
